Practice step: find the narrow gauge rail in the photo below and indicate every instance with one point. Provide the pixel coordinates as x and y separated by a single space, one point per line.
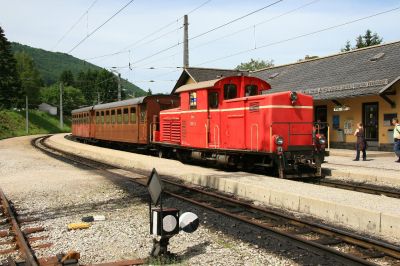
22 244
357 251
369 189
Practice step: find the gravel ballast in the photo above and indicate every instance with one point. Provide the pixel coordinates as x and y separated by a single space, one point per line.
56 194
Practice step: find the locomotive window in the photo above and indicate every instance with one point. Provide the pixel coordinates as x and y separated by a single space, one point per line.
107 117
119 116
102 117
193 100
251 90
213 100
230 91
133 115
113 116
126 116
143 113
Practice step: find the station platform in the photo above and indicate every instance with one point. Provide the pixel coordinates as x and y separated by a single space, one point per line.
371 214
380 167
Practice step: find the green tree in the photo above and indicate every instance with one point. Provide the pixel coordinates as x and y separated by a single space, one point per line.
107 86
149 92
29 76
86 82
368 39
72 97
347 47
308 57
67 78
253 65
11 94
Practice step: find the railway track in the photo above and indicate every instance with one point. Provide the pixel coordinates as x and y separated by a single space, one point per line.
345 247
369 189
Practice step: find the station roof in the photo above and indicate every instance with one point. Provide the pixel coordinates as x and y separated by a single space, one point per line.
367 71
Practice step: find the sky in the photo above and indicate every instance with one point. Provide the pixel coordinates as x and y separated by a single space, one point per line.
146 37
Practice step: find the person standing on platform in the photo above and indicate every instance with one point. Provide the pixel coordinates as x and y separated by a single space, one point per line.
396 136
361 143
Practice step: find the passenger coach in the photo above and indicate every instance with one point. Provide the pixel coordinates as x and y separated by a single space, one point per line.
127 121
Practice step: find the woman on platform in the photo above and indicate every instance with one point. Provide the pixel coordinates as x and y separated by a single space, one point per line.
361 143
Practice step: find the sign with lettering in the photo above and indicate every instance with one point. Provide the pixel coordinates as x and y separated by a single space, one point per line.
341 108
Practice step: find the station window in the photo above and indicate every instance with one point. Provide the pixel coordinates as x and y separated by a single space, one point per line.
107 117
133 115
112 116
119 116
213 100
143 113
230 91
251 90
102 117
126 115
193 100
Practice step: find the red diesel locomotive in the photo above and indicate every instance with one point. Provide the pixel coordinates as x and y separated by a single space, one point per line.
232 121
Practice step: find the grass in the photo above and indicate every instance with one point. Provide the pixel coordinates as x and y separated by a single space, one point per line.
12 123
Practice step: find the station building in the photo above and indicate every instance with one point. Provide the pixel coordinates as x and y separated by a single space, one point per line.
361 85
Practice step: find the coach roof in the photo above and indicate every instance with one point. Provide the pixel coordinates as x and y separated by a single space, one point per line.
134 101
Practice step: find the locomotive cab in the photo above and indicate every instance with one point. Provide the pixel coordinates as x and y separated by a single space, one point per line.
237 121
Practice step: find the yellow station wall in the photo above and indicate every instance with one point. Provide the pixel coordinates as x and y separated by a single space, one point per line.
355 114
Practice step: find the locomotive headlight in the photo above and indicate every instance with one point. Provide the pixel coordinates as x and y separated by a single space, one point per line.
322 141
293 97
279 140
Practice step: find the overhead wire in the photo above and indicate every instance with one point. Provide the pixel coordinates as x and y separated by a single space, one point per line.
74 25
105 22
255 25
299 36
208 31
127 48
241 30
236 19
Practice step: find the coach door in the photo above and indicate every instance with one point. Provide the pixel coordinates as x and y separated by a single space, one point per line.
92 125
143 123
214 119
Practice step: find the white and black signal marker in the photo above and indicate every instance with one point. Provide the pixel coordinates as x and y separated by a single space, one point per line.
188 222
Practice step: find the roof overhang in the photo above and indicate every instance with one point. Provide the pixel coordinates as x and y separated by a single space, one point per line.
199 85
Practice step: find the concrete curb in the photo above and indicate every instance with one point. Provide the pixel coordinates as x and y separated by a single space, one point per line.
342 207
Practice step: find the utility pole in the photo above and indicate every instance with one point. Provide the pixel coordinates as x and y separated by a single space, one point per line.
119 86
61 106
185 42
26 115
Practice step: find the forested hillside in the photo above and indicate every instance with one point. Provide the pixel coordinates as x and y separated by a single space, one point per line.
52 64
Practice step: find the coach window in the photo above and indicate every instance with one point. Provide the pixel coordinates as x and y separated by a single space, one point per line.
193 100
143 113
112 116
133 115
102 117
108 117
213 100
97 117
251 90
126 116
119 116
230 91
